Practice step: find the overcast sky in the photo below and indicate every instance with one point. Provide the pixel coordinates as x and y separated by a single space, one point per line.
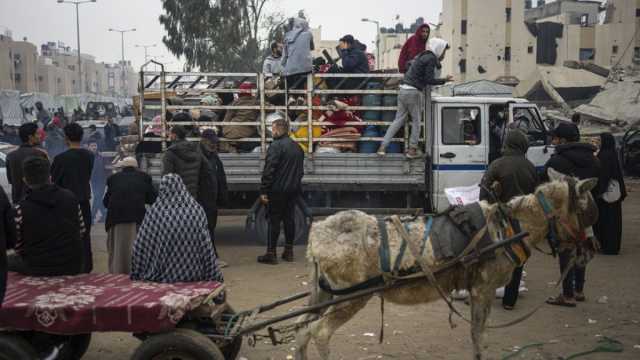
45 20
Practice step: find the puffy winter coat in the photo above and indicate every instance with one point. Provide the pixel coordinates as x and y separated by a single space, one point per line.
578 160
185 159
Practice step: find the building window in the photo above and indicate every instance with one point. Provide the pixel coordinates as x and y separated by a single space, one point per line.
508 13
636 52
584 20
18 78
614 49
638 12
463 26
527 4
40 78
463 66
530 49
587 54
507 53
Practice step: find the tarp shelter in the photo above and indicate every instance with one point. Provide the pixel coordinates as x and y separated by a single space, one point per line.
482 88
569 84
10 110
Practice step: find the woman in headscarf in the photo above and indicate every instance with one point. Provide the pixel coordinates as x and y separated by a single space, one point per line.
608 230
173 244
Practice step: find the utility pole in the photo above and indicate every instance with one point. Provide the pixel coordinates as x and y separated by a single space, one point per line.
123 65
77 4
146 55
378 60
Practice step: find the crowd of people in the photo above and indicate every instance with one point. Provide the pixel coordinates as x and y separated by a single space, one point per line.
167 234
512 174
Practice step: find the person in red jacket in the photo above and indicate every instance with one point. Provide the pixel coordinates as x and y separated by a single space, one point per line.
414 46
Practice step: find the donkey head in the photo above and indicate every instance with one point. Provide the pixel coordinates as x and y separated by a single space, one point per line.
575 208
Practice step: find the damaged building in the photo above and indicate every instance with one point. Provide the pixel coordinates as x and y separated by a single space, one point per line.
527 34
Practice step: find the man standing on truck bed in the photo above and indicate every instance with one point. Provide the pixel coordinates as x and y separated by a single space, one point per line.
280 189
411 99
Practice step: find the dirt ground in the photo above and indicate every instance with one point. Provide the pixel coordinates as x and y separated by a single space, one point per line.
423 332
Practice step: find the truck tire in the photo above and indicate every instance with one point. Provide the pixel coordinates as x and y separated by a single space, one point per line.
303 224
14 347
75 347
179 344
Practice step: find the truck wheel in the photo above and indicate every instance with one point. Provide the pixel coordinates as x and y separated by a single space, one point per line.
179 344
302 228
75 347
14 347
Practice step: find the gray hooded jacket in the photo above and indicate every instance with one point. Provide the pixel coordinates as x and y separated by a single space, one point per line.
298 43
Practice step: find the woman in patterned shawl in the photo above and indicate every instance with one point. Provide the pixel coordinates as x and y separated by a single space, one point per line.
173 243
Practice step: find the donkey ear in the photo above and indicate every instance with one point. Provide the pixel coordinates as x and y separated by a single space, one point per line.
583 186
555 175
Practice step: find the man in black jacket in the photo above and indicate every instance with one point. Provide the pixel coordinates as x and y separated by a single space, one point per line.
411 99
515 176
185 159
354 60
72 170
217 193
49 227
575 159
280 189
30 141
7 237
127 193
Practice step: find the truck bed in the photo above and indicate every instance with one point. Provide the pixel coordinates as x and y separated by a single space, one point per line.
324 172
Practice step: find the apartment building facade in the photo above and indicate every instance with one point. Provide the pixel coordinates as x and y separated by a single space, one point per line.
520 36
54 71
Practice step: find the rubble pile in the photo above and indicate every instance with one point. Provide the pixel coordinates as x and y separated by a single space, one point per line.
616 107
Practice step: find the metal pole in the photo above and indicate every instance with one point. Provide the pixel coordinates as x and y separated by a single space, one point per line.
79 59
124 87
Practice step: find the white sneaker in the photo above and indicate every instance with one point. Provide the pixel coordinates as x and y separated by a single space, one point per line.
381 151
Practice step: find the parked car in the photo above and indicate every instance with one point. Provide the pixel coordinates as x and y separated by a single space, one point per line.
5 149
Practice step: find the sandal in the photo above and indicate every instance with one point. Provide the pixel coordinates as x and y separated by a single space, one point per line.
560 301
580 297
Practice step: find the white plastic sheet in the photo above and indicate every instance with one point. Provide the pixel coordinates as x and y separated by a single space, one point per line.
463 195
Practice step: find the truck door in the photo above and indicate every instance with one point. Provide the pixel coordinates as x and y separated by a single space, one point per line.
527 118
461 148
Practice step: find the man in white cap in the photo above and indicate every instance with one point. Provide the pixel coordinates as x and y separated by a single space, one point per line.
127 193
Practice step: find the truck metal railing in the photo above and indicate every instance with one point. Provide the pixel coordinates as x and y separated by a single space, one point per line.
193 86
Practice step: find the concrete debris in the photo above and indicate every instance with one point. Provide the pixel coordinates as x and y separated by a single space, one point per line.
591 321
621 99
637 347
369 334
602 300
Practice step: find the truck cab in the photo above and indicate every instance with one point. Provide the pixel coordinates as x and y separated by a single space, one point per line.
463 142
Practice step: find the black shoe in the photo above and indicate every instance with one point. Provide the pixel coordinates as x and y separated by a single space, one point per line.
287 256
268 258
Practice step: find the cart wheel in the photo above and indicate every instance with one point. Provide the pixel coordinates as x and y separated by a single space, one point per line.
75 347
179 344
15 347
232 349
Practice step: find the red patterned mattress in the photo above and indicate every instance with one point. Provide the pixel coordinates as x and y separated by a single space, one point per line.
88 303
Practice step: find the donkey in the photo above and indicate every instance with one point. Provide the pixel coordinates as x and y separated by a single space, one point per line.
343 249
